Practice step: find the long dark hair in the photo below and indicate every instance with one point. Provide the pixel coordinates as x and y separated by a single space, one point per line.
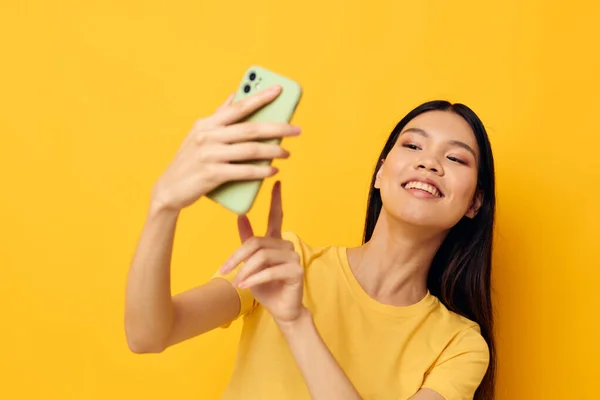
460 275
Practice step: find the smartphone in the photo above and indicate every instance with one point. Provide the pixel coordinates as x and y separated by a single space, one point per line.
239 196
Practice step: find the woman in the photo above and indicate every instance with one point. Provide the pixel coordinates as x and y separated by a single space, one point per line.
406 315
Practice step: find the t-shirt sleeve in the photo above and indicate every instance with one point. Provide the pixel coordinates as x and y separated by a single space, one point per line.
299 246
247 300
459 370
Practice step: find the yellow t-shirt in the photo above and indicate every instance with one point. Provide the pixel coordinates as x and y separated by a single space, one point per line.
387 352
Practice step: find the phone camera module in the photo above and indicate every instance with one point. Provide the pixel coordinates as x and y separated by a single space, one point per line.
246 88
252 76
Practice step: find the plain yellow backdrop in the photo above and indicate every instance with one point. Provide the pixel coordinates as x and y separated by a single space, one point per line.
95 98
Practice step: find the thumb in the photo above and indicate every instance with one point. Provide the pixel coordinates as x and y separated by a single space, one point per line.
244 228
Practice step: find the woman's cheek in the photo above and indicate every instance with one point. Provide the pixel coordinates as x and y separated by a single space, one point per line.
466 188
458 182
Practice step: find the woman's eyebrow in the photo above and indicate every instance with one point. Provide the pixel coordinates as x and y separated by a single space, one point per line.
463 145
416 130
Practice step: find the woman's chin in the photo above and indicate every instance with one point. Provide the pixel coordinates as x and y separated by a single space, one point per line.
425 219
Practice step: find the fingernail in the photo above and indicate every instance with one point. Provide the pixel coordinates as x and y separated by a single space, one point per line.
296 129
274 89
242 285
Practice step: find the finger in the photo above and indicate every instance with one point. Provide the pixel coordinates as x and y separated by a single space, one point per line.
263 258
243 108
254 131
249 151
282 272
275 212
249 247
227 102
244 228
242 172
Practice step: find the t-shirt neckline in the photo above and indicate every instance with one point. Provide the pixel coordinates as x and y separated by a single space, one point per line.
364 298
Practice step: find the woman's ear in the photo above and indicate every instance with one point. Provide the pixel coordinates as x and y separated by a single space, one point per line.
475 204
377 184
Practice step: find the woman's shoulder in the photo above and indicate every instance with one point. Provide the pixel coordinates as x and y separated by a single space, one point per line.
457 324
309 252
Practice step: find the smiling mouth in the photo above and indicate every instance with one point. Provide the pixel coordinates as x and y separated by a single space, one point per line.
425 187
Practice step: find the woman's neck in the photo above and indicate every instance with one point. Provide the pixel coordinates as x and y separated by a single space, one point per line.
394 264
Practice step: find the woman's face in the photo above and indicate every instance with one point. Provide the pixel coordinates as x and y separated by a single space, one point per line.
429 178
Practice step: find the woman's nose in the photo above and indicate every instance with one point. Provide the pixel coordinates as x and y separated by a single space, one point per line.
430 164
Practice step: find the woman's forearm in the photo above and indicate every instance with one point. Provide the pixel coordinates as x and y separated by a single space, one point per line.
324 377
148 305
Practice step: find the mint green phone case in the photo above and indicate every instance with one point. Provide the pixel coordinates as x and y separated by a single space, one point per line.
239 196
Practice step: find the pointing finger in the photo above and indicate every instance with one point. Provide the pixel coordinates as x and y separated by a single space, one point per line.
276 212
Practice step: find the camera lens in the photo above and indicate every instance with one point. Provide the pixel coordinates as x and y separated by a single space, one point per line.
252 76
246 88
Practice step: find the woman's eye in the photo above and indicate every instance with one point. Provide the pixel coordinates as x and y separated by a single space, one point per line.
411 146
457 160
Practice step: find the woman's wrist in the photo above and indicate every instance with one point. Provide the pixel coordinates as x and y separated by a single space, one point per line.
298 324
160 202
158 207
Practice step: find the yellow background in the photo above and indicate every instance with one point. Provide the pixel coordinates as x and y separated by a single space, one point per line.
95 98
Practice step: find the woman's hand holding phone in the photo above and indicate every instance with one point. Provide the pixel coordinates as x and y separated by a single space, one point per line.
216 148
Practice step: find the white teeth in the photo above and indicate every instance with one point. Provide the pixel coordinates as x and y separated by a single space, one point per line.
423 186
